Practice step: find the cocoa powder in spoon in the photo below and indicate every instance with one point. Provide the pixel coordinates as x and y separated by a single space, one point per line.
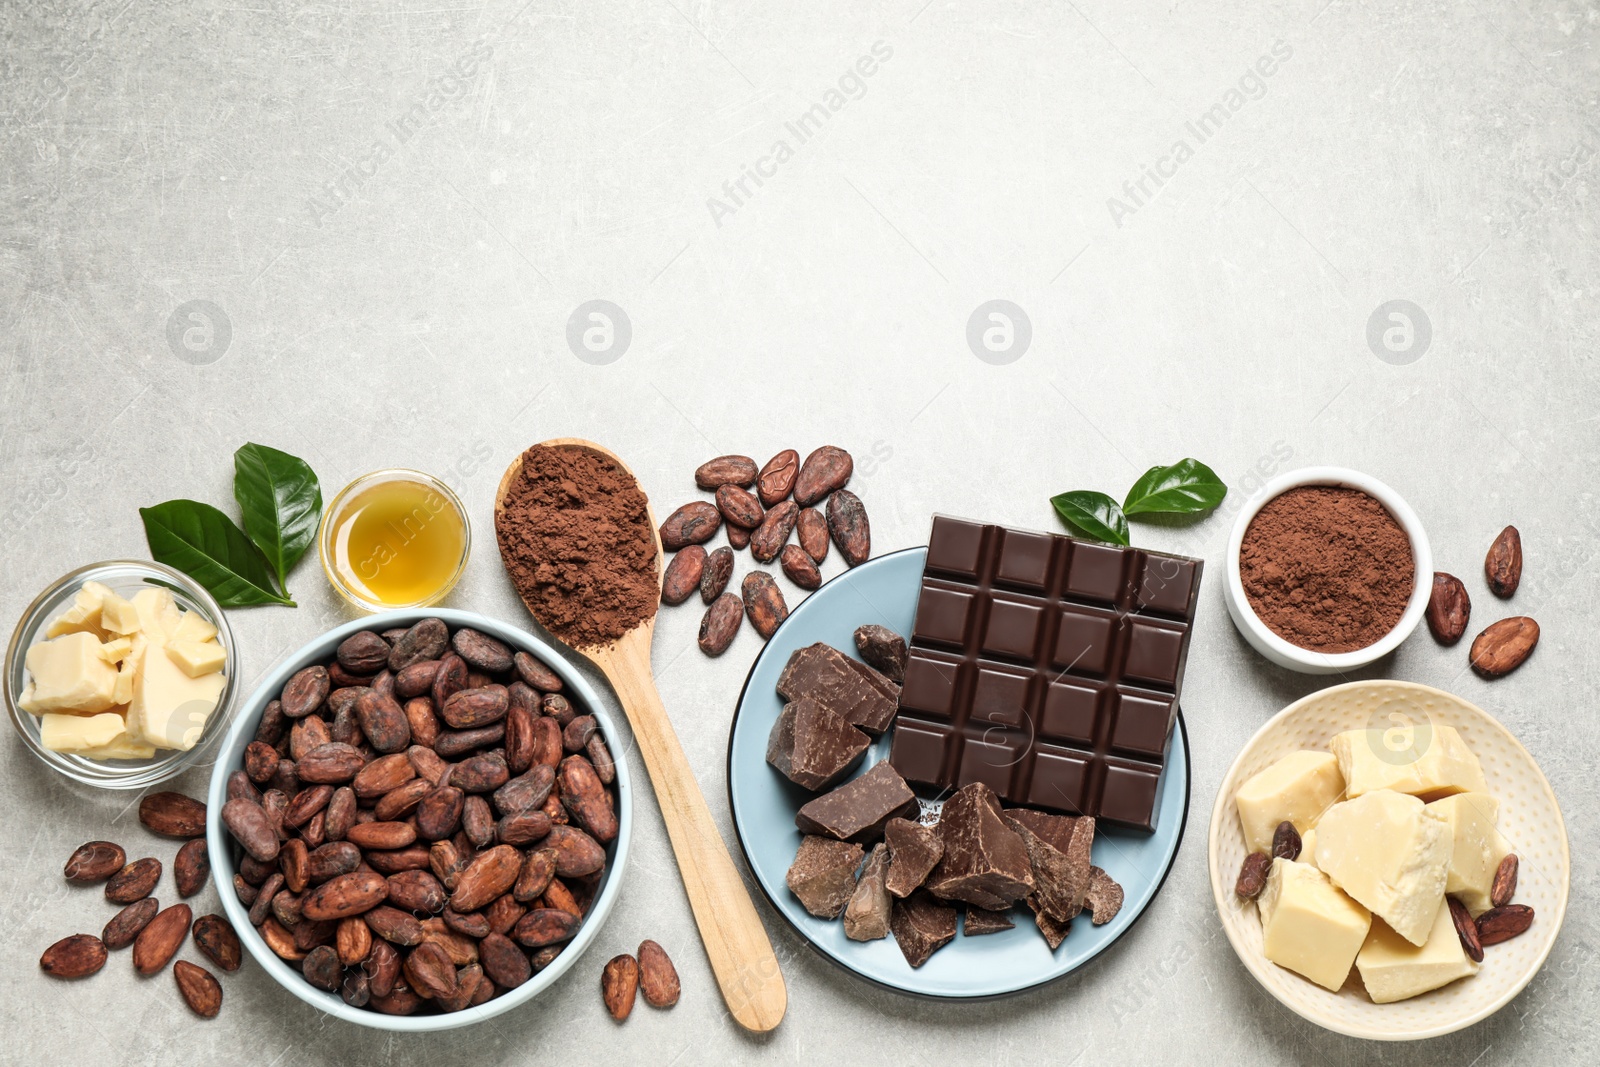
576 538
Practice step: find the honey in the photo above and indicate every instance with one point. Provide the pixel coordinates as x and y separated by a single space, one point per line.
394 539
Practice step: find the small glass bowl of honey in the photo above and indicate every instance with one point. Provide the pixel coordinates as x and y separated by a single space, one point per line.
394 539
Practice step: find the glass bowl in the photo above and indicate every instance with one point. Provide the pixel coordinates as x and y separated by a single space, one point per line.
332 530
124 577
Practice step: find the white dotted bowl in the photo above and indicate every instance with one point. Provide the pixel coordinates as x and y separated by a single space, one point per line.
1529 818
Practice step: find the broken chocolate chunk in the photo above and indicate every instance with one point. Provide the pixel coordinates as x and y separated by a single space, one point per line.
884 650
914 849
857 810
985 862
851 689
866 917
1061 876
1104 897
812 746
1054 932
921 927
823 875
1053 829
980 921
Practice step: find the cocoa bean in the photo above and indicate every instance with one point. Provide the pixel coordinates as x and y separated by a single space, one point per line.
307 734
331 764
439 814
693 524
402 1001
323 968
684 574
1503 565
425 640
1504 886
214 937
1286 842
658 978
294 860
577 853
346 895
557 895
305 804
341 813
825 470
738 537
768 539
489 875
504 913
546 744
394 925
384 836
382 775
763 602
473 924
401 801
314 833
422 719
286 779
383 721
286 909
199 989
718 569
416 680
713 474
536 674
472 708
134 882
477 821
461 950
576 733
1503 646
275 802
260 761
356 989
811 530
544 957
280 941
161 938
519 730
776 479
1503 923
417 891
339 678
451 677
558 708
263 905
522 830
1466 929
94 862
619 981
252 828
720 624
305 692
244 890
240 785
352 940
273 725
1253 875
1449 608
173 815
77 956
481 651
126 924
480 774
504 963
382 966
799 567
739 508
544 926
534 878
429 971
526 792
427 763
454 743
586 800
363 652
847 522
191 867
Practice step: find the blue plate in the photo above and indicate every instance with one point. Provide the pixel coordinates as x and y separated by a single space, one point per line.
884 590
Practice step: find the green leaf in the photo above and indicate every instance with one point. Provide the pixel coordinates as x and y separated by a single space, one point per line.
1188 487
281 503
1092 514
205 544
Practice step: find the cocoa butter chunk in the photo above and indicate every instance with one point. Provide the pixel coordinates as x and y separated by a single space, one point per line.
866 917
1060 875
980 921
823 875
922 926
857 810
914 849
985 862
812 746
884 650
1104 897
852 690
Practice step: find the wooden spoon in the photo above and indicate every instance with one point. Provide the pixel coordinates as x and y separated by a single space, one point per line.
741 954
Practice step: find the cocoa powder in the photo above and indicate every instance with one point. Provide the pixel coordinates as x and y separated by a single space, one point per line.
1327 568
576 538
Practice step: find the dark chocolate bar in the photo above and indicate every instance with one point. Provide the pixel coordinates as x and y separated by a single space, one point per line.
1047 667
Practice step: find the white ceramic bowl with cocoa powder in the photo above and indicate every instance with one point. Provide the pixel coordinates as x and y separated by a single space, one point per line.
1286 653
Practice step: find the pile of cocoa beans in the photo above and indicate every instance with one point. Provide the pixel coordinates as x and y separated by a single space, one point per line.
423 822
1504 645
785 501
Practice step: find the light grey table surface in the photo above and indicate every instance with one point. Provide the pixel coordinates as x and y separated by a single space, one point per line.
393 210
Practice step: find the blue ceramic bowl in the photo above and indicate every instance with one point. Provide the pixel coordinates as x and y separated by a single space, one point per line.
231 756
884 591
